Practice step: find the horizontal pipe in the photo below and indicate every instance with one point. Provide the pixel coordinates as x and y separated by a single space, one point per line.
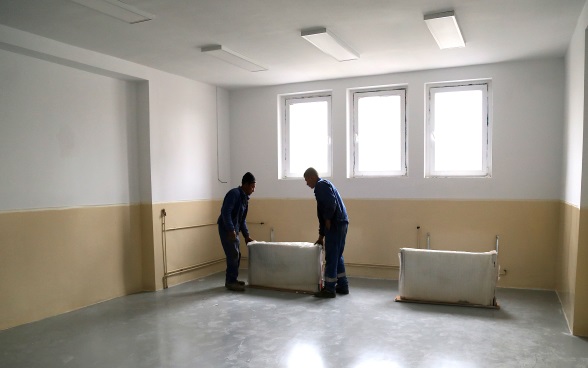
203 225
192 268
370 265
187 227
195 267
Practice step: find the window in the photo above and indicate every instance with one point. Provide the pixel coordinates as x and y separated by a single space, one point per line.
458 139
305 134
378 144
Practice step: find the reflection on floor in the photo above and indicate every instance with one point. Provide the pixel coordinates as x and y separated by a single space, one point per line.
201 324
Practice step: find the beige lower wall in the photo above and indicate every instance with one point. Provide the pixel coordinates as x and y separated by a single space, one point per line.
54 261
572 270
147 248
567 259
528 232
198 246
580 326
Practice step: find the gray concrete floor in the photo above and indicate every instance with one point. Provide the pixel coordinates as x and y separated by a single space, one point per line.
200 324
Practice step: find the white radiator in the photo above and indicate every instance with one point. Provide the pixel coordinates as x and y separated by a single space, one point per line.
285 266
437 276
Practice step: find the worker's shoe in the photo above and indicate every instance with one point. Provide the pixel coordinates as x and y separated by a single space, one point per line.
234 286
324 293
241 282
342 290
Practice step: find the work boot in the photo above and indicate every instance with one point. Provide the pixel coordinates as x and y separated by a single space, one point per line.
241 282
324 293
234 286
342 290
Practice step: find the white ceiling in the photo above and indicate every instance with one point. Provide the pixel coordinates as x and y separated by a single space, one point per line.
390 35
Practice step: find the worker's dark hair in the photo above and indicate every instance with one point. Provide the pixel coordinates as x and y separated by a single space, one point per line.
311 171
248 178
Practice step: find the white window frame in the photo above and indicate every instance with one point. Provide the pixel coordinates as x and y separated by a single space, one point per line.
284 158
485 87
354 96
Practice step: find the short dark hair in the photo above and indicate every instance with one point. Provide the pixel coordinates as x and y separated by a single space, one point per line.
248 178
311 171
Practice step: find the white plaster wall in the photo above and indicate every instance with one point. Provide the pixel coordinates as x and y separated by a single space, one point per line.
574 123
584 200
528 112
143 143
65 136
184 130
138 133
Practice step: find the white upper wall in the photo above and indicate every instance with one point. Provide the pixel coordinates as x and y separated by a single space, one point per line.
70 132
574 123
528 114
189 128
65 135
184 141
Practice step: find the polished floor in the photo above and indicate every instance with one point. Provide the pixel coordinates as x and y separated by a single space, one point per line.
201 324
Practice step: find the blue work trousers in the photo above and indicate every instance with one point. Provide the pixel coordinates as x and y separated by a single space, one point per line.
233 254
334 246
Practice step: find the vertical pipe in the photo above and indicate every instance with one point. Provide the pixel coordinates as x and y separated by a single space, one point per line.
418 237
164 247
428 241
217 140
497 238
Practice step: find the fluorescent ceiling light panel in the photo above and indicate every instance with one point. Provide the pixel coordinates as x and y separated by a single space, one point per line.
232 57
117 9
328 43
445 30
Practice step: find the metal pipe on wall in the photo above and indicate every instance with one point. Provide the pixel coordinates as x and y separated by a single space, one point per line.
372 265
164 247
164 230
189 227
178 271
429 240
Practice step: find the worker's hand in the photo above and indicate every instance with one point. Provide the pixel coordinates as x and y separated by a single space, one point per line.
248 240
232 235
328 224
320 240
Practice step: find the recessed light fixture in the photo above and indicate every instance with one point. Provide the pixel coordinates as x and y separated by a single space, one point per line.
328 43
445 30
232 57
117 9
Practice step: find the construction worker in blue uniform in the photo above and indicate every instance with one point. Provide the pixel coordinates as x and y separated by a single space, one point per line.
333 223
232 220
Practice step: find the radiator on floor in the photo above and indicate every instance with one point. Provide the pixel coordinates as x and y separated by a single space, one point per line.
295 266
437 276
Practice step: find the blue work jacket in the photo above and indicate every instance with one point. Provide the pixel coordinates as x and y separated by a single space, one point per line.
329 205
234 211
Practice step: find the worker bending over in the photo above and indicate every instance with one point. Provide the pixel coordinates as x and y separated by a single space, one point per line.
333 223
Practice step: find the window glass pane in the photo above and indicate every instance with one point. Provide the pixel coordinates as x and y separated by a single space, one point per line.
379 134
309 136
458 135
